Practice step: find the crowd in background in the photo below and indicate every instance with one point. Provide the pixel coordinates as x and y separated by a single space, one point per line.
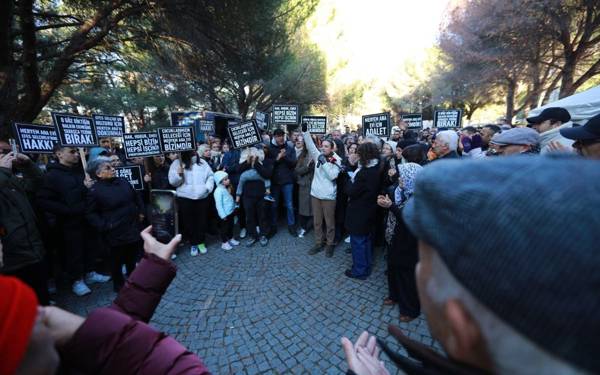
83 226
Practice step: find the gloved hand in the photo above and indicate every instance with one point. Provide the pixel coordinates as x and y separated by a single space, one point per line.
322 160
304 127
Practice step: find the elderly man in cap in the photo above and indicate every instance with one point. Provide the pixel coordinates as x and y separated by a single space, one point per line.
516 290
548 124
445 145
515 141
586 137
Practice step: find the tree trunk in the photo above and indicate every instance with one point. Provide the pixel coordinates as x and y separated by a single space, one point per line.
510 99
568 75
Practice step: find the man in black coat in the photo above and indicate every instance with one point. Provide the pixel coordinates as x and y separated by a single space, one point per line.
63 194
282 182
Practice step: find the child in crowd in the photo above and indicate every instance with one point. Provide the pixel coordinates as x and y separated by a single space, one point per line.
252 174
225 208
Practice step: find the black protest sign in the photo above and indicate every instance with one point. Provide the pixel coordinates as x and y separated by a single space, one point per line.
262 120
286 114
35 139
316 124
177 139
133 174
244 134
109 126
447 118
206 126
377 124
75 130
141 144
413 120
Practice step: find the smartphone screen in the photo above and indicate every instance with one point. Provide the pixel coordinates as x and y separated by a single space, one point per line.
163 215
13 146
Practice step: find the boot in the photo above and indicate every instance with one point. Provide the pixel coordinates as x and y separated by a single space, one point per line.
329 251
316 249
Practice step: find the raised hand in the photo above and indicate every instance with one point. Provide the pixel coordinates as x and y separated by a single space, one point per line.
153 246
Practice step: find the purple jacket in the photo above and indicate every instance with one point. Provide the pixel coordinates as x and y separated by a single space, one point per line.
118 340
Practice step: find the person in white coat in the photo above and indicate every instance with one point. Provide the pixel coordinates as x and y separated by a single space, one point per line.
323 191
549 123
193 179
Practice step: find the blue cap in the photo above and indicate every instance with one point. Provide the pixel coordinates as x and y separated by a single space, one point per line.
522 234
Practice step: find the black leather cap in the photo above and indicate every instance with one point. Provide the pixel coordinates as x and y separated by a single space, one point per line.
552 113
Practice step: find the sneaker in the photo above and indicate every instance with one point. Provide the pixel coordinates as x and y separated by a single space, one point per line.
269 198
263 241
93 278
194 251
233 242
251 242
51 286
226 246
80 289
202 248
347 240
173 256
301 233
316 249
243 233
329 251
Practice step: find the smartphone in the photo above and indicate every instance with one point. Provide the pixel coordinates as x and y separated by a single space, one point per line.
13 146
163 215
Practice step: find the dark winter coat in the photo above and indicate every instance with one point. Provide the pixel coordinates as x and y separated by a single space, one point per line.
231 165
283 169
256 189
21 239
404 249
118 339
63 194
113 208
304 172
160 178
362 200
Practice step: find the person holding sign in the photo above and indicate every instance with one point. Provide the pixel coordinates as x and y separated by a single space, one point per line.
193 179
115 210
323 191
63 195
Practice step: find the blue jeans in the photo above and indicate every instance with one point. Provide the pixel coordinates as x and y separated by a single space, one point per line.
362 255
288 191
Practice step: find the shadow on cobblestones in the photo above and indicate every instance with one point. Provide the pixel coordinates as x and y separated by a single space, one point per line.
268 309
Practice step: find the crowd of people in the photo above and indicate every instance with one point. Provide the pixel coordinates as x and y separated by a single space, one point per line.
454 233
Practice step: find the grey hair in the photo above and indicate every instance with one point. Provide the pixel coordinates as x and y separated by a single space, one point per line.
94 165
374 139
511 352
448 137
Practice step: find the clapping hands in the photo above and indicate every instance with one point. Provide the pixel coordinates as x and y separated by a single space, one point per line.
363 356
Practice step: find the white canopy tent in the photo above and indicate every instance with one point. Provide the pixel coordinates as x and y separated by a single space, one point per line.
581 106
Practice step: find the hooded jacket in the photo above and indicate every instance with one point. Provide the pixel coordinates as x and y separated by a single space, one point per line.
223 199
324 184
196 183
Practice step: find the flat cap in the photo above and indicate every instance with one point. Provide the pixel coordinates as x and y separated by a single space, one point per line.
522 235
589 131
552 113
516 136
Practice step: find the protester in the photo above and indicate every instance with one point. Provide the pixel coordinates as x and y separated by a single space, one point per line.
515 141
487 132
476 147
362 190
23 249
225 208
284 159
115 210
231 165
253 197
305 169
445 145
63 194
323 191
193 179
158 173
416 153
548 124
467 279
116 339
252 174
403 250
586 137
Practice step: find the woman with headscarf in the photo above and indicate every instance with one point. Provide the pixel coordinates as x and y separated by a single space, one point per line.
403 250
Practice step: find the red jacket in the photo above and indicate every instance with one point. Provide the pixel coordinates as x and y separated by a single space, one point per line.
118 340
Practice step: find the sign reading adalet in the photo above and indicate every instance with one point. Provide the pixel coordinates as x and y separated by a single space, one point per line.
377 124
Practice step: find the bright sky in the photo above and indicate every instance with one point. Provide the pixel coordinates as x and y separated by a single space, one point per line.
372 41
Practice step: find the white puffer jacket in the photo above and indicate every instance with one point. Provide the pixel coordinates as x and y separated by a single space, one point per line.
323 185
196 183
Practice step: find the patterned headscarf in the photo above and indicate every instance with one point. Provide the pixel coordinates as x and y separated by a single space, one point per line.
407 173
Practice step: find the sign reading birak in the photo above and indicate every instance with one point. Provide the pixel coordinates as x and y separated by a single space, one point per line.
75 130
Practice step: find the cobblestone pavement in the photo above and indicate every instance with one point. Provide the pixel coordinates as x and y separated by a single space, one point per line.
269 310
